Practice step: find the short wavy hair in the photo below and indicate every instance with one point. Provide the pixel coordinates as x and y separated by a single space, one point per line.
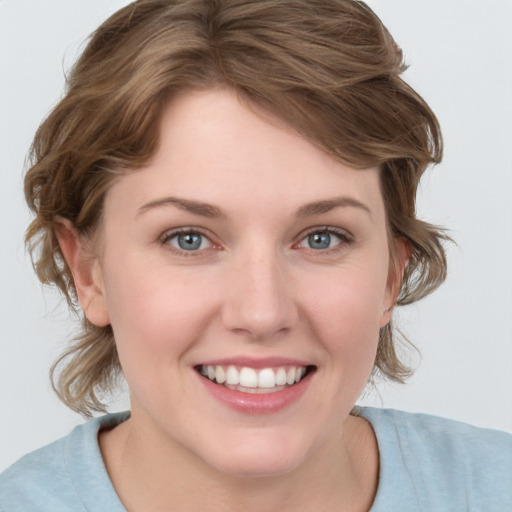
328 68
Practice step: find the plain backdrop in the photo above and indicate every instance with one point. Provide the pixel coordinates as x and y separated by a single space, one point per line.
460 56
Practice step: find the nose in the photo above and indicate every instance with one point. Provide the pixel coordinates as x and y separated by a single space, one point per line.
259 300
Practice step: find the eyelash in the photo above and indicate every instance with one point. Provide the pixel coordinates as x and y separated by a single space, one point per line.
344 236
166 237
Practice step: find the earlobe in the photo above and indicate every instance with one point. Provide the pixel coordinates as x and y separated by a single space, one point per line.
394 284
86 271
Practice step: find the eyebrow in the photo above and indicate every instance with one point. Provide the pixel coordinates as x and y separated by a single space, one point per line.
213 212
195 207
324 206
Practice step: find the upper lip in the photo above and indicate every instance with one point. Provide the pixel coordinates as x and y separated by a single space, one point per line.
256 363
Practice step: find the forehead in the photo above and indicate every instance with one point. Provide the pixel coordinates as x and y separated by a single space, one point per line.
216 148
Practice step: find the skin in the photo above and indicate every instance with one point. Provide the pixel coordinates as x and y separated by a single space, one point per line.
255 288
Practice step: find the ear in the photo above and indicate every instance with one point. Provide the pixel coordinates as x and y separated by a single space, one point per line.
402 254
86 272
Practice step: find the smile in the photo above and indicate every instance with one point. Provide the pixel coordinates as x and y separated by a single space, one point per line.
250 380
254 387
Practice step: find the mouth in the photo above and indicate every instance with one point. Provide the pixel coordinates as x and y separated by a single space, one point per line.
255 381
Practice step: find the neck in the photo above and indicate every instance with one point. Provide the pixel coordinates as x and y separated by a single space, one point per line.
149 474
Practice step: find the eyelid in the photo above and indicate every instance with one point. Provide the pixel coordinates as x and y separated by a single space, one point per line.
171 233
327 229
345 236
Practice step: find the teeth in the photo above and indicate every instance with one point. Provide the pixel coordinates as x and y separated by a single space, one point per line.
281 377
266 378
248 378
232 376
220 375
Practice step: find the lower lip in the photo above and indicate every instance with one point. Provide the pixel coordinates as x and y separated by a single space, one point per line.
257 403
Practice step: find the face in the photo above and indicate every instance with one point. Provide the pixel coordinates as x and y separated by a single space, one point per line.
240 260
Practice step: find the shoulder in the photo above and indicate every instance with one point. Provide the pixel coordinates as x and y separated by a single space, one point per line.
36 478
445 461
448 439
54 478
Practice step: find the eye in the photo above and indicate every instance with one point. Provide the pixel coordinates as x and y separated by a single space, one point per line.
324 239
189 241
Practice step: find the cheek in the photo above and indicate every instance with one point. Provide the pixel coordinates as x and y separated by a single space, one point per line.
347 312
156 318
355 292
154 311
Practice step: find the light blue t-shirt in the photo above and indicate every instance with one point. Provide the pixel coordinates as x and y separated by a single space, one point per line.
427 464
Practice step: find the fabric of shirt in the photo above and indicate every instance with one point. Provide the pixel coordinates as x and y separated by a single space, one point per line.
427 464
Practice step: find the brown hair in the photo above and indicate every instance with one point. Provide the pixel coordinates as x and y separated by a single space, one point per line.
329 68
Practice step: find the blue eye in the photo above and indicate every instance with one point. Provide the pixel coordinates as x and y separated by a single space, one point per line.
319 240
322 240
188 241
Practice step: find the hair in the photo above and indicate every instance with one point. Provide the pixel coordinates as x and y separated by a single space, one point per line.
328 68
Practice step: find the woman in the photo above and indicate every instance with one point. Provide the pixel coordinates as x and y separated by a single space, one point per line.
227 190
